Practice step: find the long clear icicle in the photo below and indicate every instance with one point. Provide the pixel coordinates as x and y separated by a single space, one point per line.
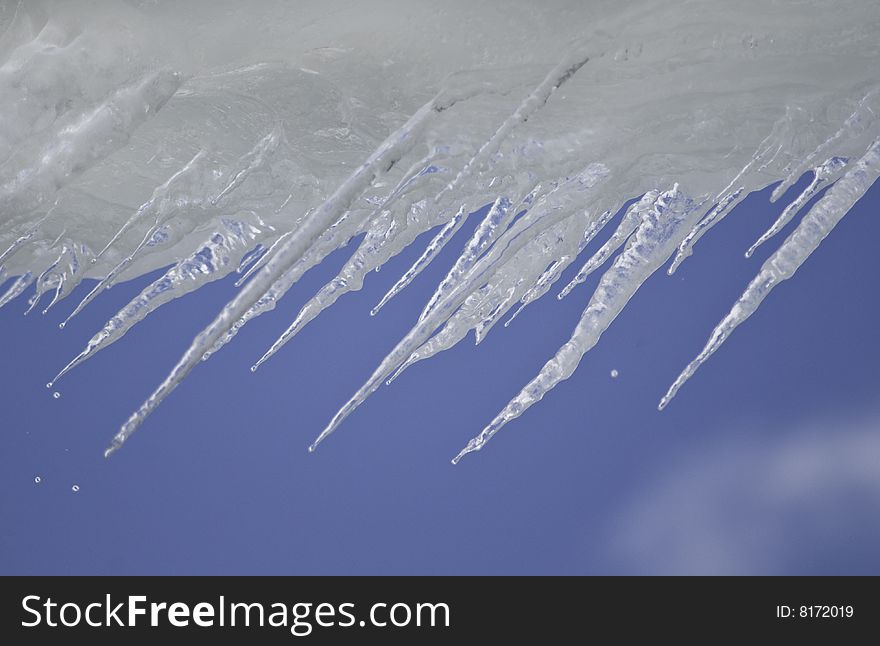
536 220
825 173
857 123
735 192
372 252
17 288
159 205
531 104
651 245
554 270
725 205
805 239
628 224
388 232
351 278
201 267
162 205
494 223
388 153
483 308
383 240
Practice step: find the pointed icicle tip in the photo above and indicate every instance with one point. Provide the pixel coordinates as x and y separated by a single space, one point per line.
472 445
115 445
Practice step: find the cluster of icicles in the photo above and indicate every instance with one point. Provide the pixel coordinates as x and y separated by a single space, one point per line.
615 133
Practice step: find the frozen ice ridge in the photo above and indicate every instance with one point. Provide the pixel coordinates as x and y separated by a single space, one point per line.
212 137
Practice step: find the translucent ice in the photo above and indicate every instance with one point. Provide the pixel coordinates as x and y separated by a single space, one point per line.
213 137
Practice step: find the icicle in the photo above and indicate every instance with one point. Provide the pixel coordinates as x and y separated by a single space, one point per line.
250 258
58 289
385 238
810 232
72 275
44 282
558 76
263 259
437 243
550 202
401 352
388 153
420 175
381 243
534 102
350 278
15 290
628 224
387 235
447 337
721 209
484 307
494 224
252 161
595 227
161 203
729 198
857 123
267 302
541 287
21 240
534 221
204 265
826 173
650 246
109 279
489 321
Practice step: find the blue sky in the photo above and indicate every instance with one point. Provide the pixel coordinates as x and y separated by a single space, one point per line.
770 446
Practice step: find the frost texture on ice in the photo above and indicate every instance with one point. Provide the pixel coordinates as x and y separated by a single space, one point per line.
257 138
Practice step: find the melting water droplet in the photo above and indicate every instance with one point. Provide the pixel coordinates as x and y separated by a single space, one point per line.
74 488
615 374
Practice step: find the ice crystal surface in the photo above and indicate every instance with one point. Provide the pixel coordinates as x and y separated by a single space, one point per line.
217 137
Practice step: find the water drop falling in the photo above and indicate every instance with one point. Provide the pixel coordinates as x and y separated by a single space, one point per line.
615 374
74 488
56 395
37 480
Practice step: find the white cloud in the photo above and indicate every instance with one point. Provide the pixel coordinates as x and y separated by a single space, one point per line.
805 498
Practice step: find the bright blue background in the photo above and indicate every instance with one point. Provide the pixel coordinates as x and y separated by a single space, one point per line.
219 479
